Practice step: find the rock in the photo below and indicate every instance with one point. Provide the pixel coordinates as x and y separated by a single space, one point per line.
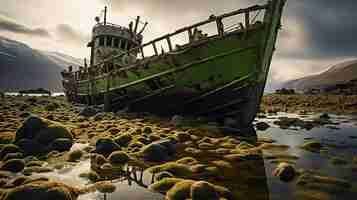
324 116
164 185
20 180
118 158
155 153
7 137
13 165
37 136
285 172
203 190
92 176
9 148
52 106
176 169
314 146
163 175
13 156
183 137
30 147
41 190
29 128
180 191
106 146
37 169
50 134
61 144
88 112
75 155
262 126
105 187
159 151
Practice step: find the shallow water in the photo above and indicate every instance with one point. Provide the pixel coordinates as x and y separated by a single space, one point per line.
336 137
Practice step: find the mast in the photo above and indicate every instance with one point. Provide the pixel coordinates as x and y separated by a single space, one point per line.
105 15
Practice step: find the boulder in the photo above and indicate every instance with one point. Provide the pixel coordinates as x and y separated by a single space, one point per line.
159 151
106 146
61 144
203 190
30 147
123 140
13 165
30 127
118 158
38 136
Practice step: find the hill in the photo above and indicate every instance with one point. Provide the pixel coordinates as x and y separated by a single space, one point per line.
337 74
23 68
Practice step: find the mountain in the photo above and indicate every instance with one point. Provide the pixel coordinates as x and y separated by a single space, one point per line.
22 67
337 74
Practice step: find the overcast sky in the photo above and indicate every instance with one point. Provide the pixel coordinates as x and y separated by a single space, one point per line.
315 35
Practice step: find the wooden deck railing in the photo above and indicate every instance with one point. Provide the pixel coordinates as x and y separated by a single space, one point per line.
167 37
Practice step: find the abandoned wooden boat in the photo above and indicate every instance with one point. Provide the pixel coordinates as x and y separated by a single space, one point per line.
221 75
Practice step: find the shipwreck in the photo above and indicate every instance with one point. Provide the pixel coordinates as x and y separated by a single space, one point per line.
221 75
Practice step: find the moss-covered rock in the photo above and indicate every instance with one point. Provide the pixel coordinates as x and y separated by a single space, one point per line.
183 137
30 147
178 170
13 165
180 190
41 190
91 175
13 156
313 146
286 172
164 184
163 175
37 169
9 148
75 155
203 190
106 146
159 151
118 158
61 144
50 134
7 137
30 127
262 126
105 187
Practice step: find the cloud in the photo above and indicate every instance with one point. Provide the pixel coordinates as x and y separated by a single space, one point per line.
68 34
10 25
329 26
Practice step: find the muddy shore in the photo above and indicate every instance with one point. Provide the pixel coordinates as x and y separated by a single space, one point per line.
186 159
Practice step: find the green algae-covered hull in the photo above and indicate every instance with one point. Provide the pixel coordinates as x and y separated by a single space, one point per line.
221 76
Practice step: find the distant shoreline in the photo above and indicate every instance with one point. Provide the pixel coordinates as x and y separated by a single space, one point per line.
302 103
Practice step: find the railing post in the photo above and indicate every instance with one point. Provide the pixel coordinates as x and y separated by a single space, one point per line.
220 27
247 19
190 35
155 49
142 52
169 43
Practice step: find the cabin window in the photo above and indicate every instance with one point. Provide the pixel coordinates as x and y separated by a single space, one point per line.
109 41
116 42
123 44
101 41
